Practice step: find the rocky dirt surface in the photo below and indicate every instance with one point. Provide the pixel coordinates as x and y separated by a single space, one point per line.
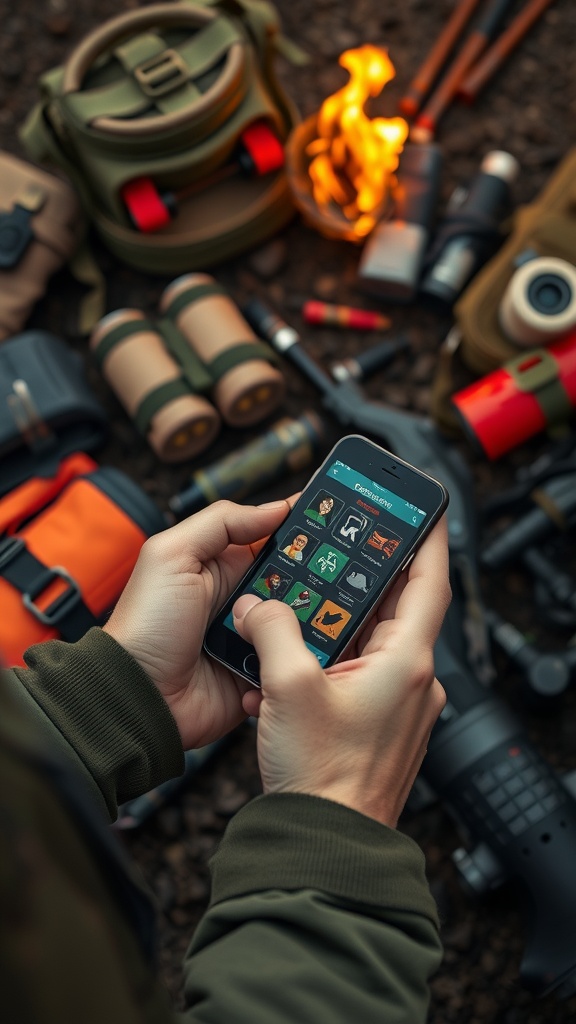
528 109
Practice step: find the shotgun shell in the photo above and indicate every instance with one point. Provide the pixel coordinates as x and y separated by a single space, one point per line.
344 316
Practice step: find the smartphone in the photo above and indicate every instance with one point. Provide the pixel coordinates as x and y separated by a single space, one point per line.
354 529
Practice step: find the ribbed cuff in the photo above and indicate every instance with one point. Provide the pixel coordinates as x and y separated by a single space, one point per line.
293 841
110 712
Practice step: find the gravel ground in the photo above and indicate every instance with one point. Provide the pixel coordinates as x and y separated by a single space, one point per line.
529 109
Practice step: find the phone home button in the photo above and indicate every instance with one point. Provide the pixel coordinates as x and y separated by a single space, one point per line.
251 666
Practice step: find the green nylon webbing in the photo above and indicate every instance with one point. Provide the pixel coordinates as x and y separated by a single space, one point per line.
138 49
240 353
155 400
192 366
117 334
192 294
143 48
206 48
119 99
542 380
124 98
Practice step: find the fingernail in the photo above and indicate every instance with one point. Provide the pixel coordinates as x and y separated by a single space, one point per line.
243 605
273 504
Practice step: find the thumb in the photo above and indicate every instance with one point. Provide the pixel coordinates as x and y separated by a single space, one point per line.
274 631
208 533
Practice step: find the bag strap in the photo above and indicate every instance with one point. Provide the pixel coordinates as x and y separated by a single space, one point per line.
240 353
156 399
67 613
536 373
159 78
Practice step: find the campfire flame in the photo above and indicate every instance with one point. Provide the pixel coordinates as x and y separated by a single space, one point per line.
352 162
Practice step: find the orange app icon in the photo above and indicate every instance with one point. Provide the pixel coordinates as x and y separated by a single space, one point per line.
331 619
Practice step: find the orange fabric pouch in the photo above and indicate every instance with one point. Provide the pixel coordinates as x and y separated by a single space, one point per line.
68 544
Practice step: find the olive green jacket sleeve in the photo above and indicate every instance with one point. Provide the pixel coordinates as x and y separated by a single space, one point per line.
320 914
92 703
317 912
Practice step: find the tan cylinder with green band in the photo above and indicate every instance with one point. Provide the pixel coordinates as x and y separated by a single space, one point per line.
247 385
149 382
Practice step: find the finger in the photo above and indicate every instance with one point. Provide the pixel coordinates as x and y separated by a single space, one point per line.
274 631
259 544
251 702
208 533
423 602
418 602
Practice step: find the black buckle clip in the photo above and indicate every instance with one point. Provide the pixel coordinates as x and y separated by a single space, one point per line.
63 604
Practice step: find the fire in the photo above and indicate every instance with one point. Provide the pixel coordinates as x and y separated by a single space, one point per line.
352 162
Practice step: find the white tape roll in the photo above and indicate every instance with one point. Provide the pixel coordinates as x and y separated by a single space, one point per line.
539 304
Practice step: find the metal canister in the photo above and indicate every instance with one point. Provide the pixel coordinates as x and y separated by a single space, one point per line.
287 447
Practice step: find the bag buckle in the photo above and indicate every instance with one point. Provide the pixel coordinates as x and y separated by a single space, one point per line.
63 604
162 73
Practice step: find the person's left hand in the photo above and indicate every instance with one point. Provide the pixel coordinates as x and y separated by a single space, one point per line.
181 578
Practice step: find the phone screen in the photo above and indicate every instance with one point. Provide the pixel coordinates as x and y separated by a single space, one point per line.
345 539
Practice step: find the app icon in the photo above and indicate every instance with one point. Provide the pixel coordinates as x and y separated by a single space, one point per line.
328 562
298 545
273 582
358 581
323 507
352 526
331 619
302 600
382 542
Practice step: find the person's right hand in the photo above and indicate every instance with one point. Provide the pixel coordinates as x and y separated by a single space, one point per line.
356 733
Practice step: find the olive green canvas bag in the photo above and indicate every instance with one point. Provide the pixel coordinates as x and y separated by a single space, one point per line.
164 95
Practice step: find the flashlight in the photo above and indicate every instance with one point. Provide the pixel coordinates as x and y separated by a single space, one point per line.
469 233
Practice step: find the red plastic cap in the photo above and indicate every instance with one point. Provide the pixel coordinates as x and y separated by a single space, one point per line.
264 149
144 204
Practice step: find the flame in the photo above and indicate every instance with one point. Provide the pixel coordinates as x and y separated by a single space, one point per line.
352 162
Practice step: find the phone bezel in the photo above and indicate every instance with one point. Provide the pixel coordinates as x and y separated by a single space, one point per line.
385 468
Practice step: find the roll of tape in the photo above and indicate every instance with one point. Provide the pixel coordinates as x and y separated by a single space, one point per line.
539 304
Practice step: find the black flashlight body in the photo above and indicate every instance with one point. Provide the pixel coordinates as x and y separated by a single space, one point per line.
468 235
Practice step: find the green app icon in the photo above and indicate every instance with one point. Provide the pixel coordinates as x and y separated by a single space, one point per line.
302 600
327 562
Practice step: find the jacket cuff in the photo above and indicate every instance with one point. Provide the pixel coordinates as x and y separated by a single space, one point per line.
109 710
292 841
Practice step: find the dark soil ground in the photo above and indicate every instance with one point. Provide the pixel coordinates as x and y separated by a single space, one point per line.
528 109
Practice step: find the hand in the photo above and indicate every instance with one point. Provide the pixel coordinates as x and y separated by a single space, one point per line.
181 578
355 733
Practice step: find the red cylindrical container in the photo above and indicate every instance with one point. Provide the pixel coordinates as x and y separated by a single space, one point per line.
523 397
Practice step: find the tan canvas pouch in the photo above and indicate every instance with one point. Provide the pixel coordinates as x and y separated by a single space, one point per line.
41 225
